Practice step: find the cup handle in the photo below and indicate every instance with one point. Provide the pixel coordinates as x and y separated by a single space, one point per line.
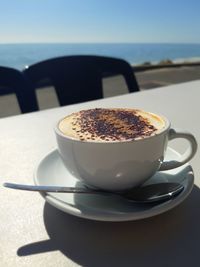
189 153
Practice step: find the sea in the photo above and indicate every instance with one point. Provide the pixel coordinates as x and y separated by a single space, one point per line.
21 55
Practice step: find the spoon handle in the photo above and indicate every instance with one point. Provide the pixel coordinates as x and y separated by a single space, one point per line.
57 189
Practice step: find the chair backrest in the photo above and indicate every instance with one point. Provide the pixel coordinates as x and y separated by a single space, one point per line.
16 82
79 78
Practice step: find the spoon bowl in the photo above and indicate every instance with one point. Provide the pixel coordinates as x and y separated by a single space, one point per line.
154 192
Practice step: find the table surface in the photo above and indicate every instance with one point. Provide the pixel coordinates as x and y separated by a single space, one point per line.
33 233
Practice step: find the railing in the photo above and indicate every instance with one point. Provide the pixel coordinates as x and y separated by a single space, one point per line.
144 67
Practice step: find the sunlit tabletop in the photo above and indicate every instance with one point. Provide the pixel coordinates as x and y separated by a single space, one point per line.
34 233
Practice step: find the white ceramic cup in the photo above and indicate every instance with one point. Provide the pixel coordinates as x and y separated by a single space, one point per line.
121 165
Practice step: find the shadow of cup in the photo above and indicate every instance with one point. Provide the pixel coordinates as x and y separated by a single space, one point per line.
163 240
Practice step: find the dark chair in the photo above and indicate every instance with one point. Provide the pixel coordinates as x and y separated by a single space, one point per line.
79 78
14 81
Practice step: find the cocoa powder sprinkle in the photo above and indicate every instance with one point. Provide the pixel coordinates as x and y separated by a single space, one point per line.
114 124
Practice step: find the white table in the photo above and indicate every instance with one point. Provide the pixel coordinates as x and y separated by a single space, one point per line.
33 233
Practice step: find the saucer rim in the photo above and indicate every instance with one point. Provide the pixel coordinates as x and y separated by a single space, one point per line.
116 217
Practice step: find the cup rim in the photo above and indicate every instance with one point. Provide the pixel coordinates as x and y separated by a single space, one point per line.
159 132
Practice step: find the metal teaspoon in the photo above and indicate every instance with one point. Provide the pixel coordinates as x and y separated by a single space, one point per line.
143 194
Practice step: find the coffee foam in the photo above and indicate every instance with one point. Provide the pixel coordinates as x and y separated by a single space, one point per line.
111 125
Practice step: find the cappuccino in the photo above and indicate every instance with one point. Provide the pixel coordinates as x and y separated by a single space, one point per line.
98 146
111 125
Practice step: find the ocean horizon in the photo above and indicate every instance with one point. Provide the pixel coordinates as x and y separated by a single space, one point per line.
20 55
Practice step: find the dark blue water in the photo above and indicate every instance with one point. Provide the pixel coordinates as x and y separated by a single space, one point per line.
20 55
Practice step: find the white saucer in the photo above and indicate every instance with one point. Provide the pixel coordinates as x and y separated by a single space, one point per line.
51 171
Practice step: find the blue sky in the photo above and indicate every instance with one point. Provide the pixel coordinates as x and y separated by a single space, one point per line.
172 21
